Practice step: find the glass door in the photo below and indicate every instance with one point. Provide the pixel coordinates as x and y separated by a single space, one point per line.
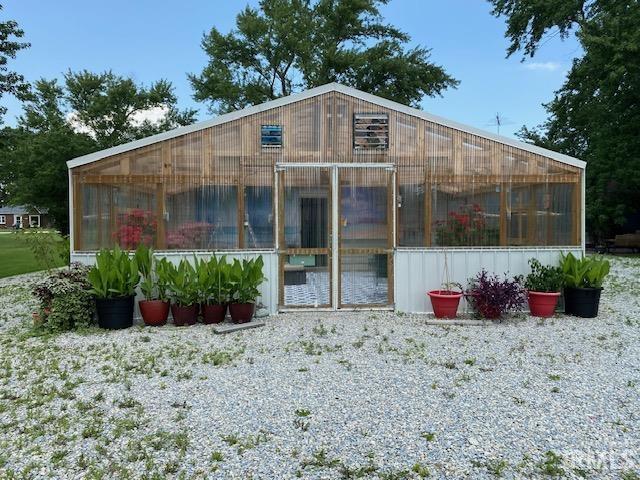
304 236
365 238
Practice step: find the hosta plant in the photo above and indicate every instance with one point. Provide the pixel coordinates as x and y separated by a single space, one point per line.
491 297
585 272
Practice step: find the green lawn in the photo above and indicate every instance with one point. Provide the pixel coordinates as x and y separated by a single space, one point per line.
15 256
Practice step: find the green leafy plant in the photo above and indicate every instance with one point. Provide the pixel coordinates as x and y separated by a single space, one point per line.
115 274
213 280
66 302
48 248
244 279
182 283
153 282
585 272
543 278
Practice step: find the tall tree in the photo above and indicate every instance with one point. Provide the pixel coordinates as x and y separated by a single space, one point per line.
10 44
89 112
595 115
287 45
115 110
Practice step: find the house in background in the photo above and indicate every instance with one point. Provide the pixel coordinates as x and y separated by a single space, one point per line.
22 216
354 201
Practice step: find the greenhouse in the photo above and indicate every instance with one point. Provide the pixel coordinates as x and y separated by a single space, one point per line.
354 201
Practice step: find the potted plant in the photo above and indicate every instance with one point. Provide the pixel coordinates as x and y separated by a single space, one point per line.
491 297
155 306
244 280
583 280
214 289
445 301
182 283
113 280
543 286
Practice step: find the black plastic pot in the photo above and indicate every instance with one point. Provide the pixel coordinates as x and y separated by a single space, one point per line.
582 302
115 313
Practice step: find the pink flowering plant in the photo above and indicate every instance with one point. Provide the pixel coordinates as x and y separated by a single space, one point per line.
135 227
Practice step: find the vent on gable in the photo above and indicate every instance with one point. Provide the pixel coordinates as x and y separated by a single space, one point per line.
370 131
271 136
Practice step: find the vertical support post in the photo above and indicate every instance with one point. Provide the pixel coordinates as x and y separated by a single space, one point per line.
241 212
335 237
576 217
161 241
427 207
503 214
77 213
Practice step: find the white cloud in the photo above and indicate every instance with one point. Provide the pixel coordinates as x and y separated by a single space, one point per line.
153 115
543 66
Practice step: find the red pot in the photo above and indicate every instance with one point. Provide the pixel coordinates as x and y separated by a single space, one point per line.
154 312
445 303
184 314
213 313
543 304
241 312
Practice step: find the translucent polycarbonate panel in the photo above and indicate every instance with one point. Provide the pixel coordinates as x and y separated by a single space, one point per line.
466 216
306 207
258 221
410 203
364 280
306 281
441 173
365 220
541 215
201 217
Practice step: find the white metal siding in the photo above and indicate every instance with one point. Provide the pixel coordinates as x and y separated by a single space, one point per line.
416 271
268 290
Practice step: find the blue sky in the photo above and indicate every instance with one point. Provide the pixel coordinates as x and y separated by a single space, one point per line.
153 39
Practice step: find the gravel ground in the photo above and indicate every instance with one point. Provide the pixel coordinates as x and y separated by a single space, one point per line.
326 395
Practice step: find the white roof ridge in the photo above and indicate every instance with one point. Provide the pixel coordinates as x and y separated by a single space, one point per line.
313 92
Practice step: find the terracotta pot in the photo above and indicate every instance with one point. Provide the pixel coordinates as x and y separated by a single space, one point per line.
543 304
241 312
154 312
445 303
184 314
213 313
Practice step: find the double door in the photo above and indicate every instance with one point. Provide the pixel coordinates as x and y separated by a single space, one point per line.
335 235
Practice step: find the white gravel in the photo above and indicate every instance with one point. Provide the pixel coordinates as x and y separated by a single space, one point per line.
326 395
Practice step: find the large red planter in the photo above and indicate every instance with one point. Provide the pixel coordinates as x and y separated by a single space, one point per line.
445 303
154 312
184 315
213 313
241 312
543 304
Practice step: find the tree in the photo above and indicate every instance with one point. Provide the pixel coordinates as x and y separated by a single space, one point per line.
10 82
287 45
60 122
112 108
595 115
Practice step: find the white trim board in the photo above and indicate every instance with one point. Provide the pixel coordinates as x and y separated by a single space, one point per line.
313 92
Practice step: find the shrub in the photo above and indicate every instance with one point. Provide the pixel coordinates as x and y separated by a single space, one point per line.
492 297
543 278
48 248
66 302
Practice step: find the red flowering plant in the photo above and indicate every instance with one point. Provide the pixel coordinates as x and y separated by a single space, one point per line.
190 235
135 227
466 227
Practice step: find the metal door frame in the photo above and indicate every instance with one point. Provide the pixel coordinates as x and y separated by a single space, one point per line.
334 229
